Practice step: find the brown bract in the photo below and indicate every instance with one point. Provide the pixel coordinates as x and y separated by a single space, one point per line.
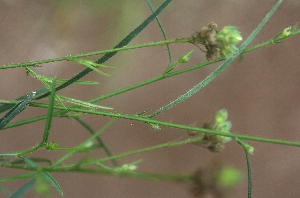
207 36
209 141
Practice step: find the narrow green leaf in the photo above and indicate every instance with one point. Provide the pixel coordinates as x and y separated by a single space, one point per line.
50 80
49 113
5 107
21 161
83 104
43 80
91 65
18 177
107 56
98 138
213 75
21 191
4 190
30 162
18 108
163 32
53 182
46 175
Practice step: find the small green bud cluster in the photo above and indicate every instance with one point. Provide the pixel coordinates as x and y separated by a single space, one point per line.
185 57
222 125
228 37
286 33
215 143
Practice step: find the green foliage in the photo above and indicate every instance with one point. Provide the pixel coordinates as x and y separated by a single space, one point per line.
228 37
219 130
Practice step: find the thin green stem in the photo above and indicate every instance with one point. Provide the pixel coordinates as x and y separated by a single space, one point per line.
168 124
248 167
86 142
17 154
111 172
272 41
152 44
100 141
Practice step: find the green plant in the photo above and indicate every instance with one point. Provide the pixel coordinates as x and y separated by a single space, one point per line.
211 136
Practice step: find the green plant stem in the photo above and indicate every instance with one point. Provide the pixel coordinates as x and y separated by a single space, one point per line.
156 147
17 154
270 42
248 167
152 44
140 84
77 167
100 141
94 136
63 169
168 124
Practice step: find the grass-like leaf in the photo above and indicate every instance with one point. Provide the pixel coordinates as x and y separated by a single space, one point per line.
50 112
46 175
21 191
43 80
21 161
213 75
83 104
18 108
50 80
98 138
4 190
91 65
30 162
17 177
6 107
163 32
107 56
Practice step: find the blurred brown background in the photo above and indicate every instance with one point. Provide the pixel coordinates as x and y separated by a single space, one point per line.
261 93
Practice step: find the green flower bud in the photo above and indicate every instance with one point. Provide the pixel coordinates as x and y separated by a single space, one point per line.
228 37
224 139
228 50
249 148
221 116
286 32
233 38
185 57
51 146
155 126
225 126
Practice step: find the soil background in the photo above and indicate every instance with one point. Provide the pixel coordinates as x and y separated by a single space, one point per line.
261 93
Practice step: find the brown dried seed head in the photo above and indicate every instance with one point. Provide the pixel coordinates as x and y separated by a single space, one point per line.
211 55
212 25
216 147
204 32
211 38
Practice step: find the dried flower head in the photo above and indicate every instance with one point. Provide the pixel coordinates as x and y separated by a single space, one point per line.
215 143
217 41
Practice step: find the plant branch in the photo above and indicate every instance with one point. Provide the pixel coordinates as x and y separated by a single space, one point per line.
168 124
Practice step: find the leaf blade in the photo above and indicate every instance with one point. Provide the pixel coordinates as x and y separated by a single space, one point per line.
18 108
